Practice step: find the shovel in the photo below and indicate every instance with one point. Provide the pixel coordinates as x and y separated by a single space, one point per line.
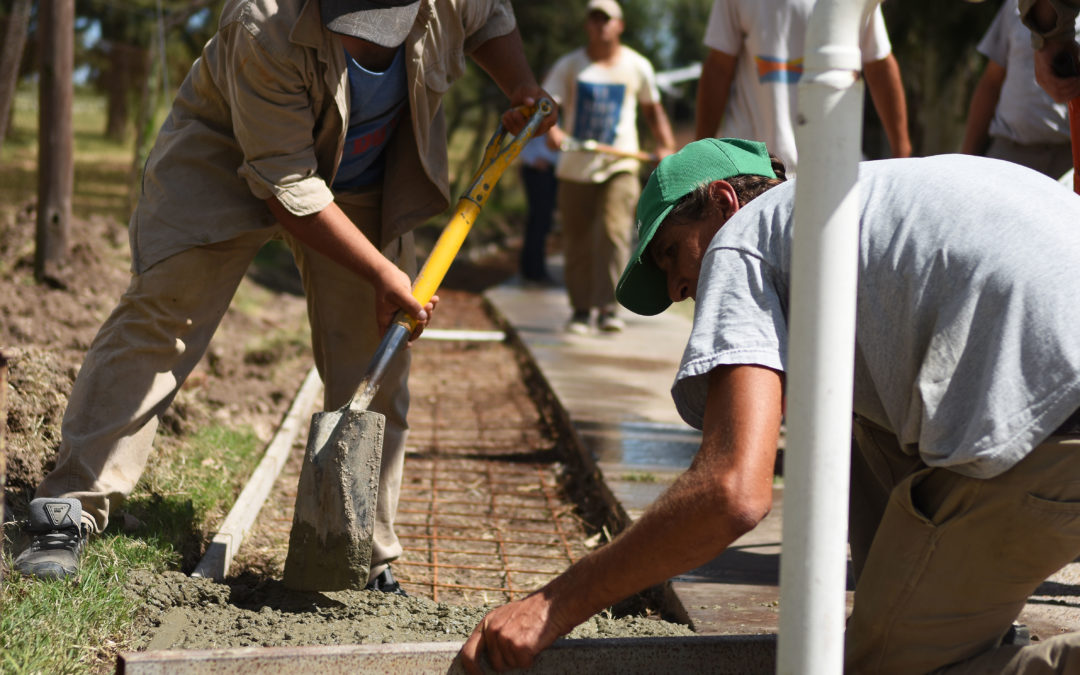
334 519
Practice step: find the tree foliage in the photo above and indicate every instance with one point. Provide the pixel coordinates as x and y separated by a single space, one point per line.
122 60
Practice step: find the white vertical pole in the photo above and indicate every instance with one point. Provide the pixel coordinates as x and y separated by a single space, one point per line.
822 342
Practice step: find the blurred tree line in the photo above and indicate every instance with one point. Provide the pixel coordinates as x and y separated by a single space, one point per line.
934 42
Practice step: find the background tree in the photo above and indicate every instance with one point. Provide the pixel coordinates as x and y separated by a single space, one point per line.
56 150
14 31
934 43
122 60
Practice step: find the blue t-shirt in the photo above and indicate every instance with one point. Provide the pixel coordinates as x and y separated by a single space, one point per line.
377 102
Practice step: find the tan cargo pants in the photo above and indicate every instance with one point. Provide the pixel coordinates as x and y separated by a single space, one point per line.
160 330
944 563
597 219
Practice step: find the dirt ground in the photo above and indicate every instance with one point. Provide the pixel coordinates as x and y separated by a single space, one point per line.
45 330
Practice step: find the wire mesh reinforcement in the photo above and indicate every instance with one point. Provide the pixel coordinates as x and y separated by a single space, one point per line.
481 519
474 533
481 516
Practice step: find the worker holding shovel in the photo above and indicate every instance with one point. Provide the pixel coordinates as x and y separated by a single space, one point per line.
965 480
316 121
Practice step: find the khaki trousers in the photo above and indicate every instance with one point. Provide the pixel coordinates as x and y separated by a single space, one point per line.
1052 159
160 330
944 563
597 219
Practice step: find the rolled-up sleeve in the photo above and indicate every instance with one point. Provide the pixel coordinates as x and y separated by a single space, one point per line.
273 122
486 20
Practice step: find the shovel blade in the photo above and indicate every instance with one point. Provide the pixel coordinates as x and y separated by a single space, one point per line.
334 520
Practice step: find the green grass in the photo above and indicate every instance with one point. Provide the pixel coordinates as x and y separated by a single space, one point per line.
79 626
206 473
75 626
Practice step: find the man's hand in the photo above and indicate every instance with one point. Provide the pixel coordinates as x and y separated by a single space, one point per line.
429 308
514 120
503 58
1053 63
556 137
511 636
393 291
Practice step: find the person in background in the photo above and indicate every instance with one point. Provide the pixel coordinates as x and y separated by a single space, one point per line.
1010 116
750 76
538 162
600 88
316 121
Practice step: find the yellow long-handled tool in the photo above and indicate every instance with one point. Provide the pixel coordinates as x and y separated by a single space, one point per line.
334 519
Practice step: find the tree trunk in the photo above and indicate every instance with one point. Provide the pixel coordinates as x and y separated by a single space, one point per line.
127 65
56 168
10 59
3 448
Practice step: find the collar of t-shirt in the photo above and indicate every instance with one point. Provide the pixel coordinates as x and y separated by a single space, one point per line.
376 104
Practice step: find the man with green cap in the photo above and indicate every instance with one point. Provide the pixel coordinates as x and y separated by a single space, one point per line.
966 455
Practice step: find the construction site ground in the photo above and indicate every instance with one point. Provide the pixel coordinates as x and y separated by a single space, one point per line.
525 453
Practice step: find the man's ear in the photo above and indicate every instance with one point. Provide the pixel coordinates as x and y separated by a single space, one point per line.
724 198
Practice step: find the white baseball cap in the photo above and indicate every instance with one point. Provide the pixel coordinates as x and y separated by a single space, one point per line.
609 7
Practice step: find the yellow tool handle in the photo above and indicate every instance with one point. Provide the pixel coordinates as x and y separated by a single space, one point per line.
496 159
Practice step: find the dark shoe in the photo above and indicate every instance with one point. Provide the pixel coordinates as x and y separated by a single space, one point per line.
1018 634
386 583
579 323
57 535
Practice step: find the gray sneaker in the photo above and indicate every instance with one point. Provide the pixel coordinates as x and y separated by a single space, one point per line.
57 535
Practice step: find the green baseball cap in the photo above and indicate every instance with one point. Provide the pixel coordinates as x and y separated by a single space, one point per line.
643 287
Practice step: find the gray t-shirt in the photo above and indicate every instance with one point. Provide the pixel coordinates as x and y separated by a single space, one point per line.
968 314
1024 113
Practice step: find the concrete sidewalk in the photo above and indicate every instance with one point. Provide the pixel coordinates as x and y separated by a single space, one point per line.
616 389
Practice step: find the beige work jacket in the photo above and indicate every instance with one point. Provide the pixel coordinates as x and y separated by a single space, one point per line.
263 112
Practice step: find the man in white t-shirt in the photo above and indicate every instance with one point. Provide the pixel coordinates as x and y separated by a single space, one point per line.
750 76
1010 117
599 89
965 465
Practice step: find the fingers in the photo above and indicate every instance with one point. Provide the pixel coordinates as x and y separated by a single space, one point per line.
505 641
514 120
1061 86
471 651
424 317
